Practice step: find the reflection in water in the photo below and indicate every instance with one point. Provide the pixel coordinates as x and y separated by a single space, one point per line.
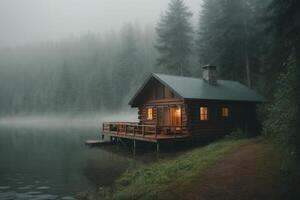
54 164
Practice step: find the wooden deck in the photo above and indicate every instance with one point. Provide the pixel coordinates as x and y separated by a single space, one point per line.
136 131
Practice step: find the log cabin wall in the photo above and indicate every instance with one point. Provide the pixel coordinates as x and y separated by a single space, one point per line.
241 115
160 96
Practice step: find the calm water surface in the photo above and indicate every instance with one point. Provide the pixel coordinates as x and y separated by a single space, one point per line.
39 164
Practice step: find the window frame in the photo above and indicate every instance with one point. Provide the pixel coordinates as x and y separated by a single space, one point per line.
203 113
149 113
225 112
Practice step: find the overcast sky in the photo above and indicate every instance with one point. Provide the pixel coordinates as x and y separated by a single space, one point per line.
31 21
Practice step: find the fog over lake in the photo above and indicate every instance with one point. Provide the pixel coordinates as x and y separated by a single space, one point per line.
66 121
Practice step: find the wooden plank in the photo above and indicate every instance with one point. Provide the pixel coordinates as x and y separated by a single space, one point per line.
97 142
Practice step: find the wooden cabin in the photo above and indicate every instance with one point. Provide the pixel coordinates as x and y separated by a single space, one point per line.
178 107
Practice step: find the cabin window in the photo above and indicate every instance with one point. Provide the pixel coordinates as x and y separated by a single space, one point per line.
149 113
203 113
225 112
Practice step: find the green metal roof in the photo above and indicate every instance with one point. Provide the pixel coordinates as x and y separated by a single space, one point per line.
197 88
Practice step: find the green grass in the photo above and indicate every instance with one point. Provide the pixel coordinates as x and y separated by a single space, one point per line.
151 181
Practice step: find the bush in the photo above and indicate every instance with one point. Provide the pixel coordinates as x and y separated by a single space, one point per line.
282 123
238 134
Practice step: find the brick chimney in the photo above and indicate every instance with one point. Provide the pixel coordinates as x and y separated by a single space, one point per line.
209 74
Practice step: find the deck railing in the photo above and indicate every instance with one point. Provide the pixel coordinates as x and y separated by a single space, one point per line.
141 130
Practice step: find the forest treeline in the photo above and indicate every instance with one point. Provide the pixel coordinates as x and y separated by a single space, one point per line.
92 73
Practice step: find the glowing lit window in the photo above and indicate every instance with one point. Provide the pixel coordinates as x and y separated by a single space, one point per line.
150 113
203 113
225 112
178 112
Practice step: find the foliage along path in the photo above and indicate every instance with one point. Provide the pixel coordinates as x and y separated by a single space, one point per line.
251 172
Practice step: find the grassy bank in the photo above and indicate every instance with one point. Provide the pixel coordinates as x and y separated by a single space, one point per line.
150 182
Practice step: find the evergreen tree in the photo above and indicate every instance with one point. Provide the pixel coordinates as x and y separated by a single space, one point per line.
284 30
128 63
65 91
175 37
208 31
285 24
227 37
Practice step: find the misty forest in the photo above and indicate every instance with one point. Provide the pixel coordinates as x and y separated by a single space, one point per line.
254 42
250 41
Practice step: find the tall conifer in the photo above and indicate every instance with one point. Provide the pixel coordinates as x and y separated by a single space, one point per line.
175 37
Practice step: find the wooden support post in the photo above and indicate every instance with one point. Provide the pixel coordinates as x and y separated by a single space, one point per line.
175 132
117 142
143 130
157 147
134 146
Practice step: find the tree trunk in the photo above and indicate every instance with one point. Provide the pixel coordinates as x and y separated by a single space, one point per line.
247 62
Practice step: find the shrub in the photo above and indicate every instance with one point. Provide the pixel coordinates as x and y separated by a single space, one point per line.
282 123
238 134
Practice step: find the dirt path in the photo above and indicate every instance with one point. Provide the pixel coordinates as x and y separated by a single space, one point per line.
247 173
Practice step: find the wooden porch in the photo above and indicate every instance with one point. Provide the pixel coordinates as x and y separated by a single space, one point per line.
143 132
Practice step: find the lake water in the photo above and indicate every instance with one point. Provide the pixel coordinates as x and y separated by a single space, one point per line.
54 163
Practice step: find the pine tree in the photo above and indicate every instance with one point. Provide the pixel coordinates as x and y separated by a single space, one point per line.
175 37
64 93
284 25
208 31
227 37
128 63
